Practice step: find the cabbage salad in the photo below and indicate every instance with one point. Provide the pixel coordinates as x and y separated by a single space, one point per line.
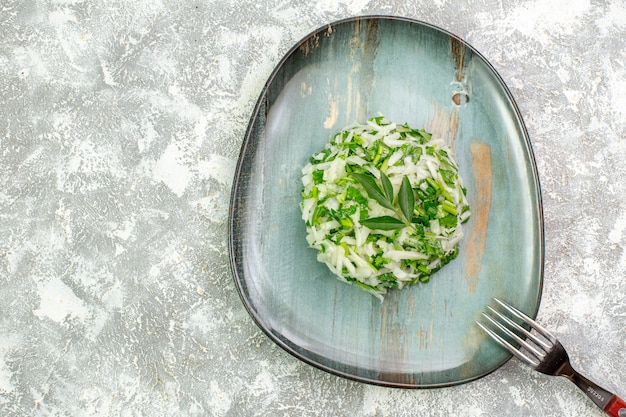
383 205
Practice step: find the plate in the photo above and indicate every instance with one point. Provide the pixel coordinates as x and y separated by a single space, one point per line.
409 71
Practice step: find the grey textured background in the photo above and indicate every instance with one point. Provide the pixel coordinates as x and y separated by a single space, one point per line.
120 125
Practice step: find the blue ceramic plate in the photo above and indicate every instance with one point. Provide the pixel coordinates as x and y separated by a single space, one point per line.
409 71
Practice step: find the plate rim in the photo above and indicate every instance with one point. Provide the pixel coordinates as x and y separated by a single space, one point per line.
232 244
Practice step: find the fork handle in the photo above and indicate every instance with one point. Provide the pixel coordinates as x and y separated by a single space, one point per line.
610 403
616 407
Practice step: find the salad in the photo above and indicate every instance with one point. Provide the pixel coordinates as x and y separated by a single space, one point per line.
384 205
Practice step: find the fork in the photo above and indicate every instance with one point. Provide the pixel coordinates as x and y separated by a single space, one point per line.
544 353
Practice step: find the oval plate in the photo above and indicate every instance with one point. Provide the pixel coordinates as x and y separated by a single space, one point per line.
409 71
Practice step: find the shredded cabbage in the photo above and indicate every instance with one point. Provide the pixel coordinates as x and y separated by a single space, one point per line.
383 205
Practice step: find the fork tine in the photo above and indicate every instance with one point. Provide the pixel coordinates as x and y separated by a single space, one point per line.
519 355
520 329
514 336
540 329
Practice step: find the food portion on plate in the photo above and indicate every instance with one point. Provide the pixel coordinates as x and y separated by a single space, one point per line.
384 205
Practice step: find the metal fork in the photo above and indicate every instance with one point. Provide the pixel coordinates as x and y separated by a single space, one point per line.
544 353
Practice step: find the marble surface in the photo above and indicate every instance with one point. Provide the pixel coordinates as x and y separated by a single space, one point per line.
120 126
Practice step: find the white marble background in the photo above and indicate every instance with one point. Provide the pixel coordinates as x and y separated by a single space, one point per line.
120 125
